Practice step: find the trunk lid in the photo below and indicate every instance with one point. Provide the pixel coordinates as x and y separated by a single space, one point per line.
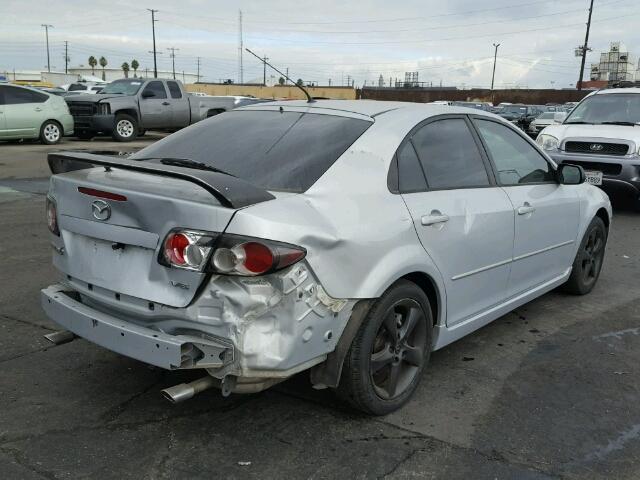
116 246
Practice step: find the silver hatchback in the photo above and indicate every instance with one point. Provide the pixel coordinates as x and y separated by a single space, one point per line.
345 238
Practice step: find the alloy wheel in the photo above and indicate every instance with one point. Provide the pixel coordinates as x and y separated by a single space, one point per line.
592 255
398 349
52 132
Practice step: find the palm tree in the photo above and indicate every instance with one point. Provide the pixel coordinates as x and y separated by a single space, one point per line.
299 82
92 63
103 63
135 65
125 69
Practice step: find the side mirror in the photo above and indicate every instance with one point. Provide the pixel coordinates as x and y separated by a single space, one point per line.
570 174
148 94
559 117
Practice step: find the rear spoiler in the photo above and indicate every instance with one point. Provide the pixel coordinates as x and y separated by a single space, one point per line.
230 191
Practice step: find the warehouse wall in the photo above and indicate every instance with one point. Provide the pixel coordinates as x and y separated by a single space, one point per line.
343 93
529 96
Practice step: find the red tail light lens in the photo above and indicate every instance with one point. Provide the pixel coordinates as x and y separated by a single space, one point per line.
187 249
238 255
52 216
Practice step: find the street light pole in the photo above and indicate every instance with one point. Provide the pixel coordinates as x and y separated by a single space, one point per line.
585 47
153 31
46 32
173 59
493 76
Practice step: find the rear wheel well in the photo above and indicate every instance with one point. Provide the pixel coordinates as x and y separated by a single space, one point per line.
426 283
215 111
604 216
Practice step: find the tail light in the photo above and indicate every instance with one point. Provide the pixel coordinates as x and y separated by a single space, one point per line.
228 254
52 216
187 249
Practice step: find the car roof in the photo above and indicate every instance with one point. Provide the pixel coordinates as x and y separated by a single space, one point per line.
370 108
618 90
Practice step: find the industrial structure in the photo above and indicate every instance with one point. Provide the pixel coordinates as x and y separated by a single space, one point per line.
616 65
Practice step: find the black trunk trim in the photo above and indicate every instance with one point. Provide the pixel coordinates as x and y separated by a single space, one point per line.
231 192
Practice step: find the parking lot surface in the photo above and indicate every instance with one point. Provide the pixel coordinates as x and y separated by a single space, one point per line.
548 391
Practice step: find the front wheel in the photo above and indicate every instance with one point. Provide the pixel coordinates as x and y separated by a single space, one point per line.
125 128
589 259
385 361
51 132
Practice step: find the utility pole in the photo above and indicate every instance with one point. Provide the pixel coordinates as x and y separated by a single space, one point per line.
585 47
46 33
66 56
240 48
173 59
493 76
198 75
264 71
153 31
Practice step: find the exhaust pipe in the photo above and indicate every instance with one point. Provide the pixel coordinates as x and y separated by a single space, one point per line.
185 391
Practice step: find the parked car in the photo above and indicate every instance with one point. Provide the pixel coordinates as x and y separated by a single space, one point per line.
125 108
290 236
84 87
519 114
475 105
602 134
28 113
540 122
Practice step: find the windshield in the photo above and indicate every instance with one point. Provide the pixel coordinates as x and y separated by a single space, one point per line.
547 115
607 108
123 87
285 151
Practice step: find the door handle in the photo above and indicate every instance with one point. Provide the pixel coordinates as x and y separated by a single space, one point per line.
526 208
166 103
38 109
434 218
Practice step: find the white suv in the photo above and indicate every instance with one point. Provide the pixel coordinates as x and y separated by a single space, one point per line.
602 134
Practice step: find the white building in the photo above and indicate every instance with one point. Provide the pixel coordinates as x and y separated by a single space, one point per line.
618 64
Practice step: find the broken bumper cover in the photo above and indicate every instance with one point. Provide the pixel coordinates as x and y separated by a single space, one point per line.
145 344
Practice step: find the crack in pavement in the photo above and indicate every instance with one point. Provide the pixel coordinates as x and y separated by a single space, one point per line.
403 460
20 459
25 322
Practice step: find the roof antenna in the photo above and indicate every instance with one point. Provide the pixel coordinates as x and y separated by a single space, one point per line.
309 97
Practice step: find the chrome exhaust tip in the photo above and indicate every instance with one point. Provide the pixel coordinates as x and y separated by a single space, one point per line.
185 391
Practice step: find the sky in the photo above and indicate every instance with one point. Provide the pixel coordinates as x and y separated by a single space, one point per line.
446 42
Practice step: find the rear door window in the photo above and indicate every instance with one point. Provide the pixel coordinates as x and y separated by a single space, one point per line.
16 95
285 151
174 90
157 88
410 175
449 155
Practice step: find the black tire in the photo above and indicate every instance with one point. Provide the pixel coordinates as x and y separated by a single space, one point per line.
51 132
377 355
85 135
142 133
125 128
589 259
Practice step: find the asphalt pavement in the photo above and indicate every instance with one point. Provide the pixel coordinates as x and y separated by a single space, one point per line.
549 391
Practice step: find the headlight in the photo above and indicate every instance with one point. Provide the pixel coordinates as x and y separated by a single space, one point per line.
547 142
104 109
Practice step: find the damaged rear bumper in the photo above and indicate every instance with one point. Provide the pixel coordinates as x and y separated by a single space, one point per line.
145 344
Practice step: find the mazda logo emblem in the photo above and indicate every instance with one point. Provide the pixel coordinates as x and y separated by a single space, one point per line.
101 210
596 147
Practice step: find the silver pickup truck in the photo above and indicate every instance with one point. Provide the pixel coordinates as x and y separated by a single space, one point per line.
128 107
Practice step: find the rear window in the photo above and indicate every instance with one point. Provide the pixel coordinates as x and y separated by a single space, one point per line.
284 151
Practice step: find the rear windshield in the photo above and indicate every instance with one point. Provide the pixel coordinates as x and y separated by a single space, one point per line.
284 151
